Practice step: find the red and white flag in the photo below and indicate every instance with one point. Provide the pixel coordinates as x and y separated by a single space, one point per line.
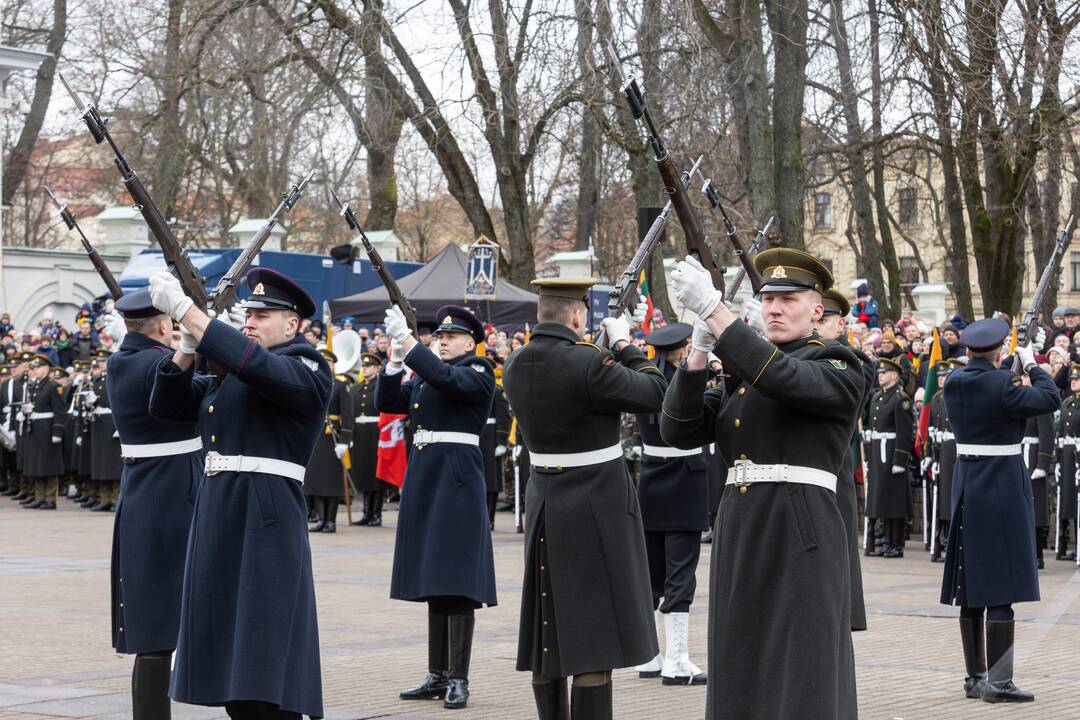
392 459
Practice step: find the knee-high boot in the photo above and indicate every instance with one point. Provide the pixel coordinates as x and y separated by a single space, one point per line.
150 687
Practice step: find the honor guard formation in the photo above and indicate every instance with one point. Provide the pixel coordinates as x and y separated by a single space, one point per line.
796 434
962 439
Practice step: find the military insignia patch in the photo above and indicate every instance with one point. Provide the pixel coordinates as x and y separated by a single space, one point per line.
838 364
448 320
259 290
778 272
311 364
906 404
478 368
59 391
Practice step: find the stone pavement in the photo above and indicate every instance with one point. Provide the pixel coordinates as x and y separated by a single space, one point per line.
57 662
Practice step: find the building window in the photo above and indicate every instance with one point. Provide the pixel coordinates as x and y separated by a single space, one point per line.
1074 271
909 207
822 211
909 271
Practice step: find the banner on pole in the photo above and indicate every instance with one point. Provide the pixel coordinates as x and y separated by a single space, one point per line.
481 269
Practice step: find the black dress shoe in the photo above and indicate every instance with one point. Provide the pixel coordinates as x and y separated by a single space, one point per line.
88 503
312 516
104 507
706 537
893 551
318 527
1040 563
35 505
77 499
330 527
457 694
432 688
362 521
375 521
21 495
27 501
47 505
10 491
873 552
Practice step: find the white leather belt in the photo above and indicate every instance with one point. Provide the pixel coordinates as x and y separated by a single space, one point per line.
884 437
490 421
249 463
578 459
1068 440
745 472
102 411
165 449
945 436
429 437
1030 441
367 418
41 416
988 450
664 451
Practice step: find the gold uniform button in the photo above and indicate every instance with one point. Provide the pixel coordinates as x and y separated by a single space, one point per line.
743 489
738 422
543 594
742 391
121 629
210 409
416 406
545 649
542 539
541 568
742 456
213 438
121 604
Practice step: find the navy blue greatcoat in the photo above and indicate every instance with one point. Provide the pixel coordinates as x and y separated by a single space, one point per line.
991 496
248 628
443 543
157 496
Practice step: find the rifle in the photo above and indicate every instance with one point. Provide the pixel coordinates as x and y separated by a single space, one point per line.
396 296
91 252
759 240
225 292
625 294
740 247
177 260
697 245
1026 329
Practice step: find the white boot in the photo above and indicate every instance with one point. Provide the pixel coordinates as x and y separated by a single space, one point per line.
652 668
677 668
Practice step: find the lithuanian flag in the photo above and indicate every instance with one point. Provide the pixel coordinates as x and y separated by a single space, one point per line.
643 288
929 391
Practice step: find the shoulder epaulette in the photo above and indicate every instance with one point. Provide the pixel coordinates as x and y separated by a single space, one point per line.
815 342
589 344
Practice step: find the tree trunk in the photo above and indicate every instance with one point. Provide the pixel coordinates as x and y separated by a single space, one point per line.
383 123
18 160
172 150
788 21
589 181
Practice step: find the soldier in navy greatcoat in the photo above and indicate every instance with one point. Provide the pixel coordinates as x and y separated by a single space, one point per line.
442 550
44 415
990 562
249 635
324 481
162 465
673 492
585 601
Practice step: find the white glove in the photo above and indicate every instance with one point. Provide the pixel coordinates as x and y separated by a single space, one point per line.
897 470
396 327
1040 339
924 465
78 441
339 450
702 339
91 397
397 352
635 452
1038 474
694 288
616 329
1026 356
57 440
500 450
113 325
515 453
235 317
936 469
188 343
167 295
641 310
752 311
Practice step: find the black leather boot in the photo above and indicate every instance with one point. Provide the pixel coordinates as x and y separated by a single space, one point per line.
150 687
999 658
461 636
973 640
591 702
365 514
435 684
318 503
376 509
331 515
551 700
